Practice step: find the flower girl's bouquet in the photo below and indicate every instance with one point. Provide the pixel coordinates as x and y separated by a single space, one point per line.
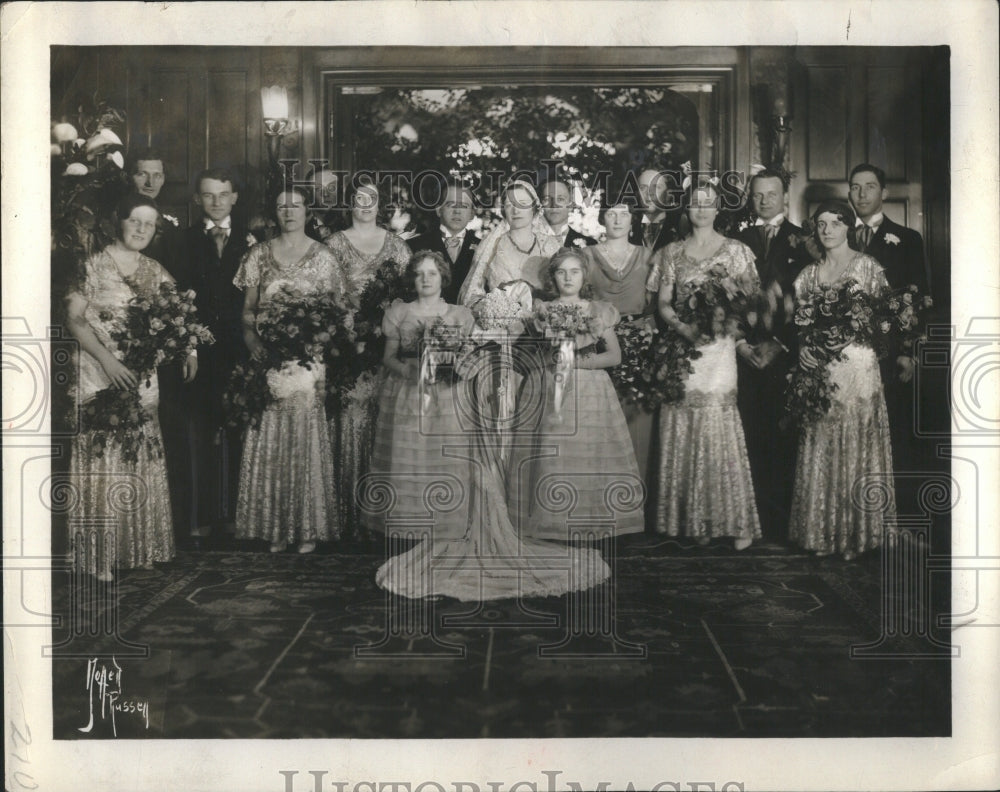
155 330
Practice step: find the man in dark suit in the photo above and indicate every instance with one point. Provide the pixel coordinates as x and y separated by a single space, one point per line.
145 168
653 227
768 351
557 201
452 238
213 249
900 251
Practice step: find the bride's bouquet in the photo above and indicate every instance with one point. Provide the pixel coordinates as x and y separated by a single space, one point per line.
155 330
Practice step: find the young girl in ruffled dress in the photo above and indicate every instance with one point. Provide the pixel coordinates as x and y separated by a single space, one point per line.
419 439
572 461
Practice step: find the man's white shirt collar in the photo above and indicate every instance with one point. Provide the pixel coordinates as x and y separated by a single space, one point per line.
226 223
873 222
447 234
776 221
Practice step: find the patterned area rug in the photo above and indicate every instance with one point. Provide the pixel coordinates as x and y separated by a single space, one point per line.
685 642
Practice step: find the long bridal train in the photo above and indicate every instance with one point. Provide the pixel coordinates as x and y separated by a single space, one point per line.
490 561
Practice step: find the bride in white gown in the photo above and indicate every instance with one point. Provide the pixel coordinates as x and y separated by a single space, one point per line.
490 561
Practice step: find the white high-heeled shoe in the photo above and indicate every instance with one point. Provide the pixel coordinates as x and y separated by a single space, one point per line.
307 547
278 547
742 543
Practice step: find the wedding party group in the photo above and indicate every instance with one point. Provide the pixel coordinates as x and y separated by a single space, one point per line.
505 394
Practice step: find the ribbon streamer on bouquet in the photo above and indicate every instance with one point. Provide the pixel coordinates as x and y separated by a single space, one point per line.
565 362
428 374
505 391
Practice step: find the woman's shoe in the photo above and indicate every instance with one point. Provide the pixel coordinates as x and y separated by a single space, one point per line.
278 547
702 541
105 576
742 543
307 547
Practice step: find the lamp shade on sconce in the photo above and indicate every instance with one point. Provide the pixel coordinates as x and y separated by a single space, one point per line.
274 102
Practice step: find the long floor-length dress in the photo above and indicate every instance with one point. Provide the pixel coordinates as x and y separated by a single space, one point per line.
122 513
625 289
287 489
352 428
572 466
490 561
421 452
704 486
844 497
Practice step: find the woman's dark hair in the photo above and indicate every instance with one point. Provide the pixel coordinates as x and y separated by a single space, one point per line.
605 207
125 207
684 225
351 191
442 263
843 212
291 188
561 255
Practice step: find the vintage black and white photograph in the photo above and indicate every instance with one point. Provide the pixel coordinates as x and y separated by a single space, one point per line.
413 389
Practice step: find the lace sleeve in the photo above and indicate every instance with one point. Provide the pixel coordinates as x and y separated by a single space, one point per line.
91 280
742 264
249 273
398 251
661 270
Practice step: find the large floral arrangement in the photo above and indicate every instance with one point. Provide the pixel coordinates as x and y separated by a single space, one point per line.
155 330
356 355
655 363
715 305
88 179
503 308
298 331
829 319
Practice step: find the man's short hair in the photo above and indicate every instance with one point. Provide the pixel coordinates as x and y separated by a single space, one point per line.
867 167
142 155
769 173
453 182
218 174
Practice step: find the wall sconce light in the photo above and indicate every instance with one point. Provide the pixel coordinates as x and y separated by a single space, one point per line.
274 102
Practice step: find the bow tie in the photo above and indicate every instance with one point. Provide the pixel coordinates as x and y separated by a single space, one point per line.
224 225
454 241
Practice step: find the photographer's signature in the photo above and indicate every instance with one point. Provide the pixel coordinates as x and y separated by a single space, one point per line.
104 692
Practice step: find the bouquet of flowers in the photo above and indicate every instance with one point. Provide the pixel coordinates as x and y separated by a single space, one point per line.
446 345
504 308
298 330
832 318
715 304
360 351
655 364
560 321
155 330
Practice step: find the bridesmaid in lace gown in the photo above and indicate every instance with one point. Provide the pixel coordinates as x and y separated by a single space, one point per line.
361 249
849 446
704 485
619 272
410 435
579 465
287 492
130 498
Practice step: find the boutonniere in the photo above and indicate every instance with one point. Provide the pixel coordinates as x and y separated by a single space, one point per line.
580 242
744 225
170 219
892 239
251 240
